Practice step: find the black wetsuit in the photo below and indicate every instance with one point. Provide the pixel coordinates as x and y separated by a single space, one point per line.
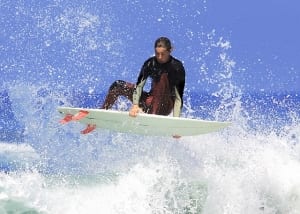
167 87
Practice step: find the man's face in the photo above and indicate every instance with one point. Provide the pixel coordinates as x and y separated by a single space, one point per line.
162 54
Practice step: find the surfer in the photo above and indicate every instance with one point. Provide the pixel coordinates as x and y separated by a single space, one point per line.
167 87
168 79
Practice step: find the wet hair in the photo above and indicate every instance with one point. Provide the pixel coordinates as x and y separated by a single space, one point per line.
163 42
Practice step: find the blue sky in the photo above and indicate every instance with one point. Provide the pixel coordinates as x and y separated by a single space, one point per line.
265 40
89 44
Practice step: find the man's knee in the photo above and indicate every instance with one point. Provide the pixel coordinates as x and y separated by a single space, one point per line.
118 84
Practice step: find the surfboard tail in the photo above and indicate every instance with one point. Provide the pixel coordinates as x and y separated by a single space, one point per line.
66 119
76 117
70 117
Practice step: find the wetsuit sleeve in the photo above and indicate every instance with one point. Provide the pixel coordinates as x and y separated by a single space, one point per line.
140 83
179 89
138 92
177 104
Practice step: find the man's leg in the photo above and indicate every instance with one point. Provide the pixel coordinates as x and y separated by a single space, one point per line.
118 88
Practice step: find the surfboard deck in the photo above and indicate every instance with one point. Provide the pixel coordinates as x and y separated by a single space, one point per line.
144 124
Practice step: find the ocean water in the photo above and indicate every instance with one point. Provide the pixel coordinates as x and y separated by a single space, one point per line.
251 167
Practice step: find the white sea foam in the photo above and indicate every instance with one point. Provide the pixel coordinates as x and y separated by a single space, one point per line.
229 172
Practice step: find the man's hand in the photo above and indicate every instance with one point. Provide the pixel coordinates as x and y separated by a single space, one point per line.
135 109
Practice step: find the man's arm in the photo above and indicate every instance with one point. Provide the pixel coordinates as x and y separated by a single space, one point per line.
179 89
177 104
135 109
138 92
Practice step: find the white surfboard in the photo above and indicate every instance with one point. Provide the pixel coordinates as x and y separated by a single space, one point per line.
145 124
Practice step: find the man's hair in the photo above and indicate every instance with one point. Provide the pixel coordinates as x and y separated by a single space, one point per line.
163 42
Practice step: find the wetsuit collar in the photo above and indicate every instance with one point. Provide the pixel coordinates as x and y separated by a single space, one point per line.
170 58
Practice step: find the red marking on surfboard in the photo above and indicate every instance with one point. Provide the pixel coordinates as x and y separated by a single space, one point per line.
80 115
66 119
70 117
